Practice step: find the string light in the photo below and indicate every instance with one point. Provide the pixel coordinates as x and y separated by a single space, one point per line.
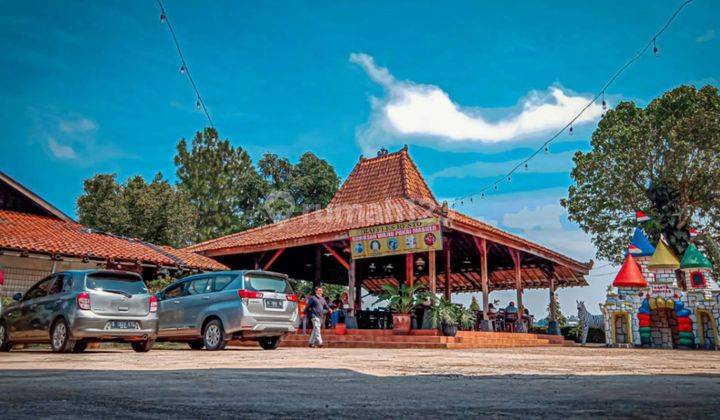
547 150
184 69
598 96
509 178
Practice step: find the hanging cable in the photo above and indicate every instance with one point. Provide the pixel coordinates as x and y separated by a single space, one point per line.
601 94
184 68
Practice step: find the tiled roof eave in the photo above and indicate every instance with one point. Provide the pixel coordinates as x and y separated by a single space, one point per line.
517 242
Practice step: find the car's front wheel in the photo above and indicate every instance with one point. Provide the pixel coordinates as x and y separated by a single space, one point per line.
142 346
5 344
214 335
60 341
269 343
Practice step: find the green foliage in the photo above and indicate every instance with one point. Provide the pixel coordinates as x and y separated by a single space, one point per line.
595 335
712 251
403 299
664 159
330 291
443 311
474 305
294 189
222 185
466 318
156 212
554 307
156 285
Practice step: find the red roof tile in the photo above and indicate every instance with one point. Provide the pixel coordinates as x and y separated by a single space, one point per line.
389 176
381 190
49 235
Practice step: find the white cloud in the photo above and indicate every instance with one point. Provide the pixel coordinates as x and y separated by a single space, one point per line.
61 151
79 125
709 35
414 110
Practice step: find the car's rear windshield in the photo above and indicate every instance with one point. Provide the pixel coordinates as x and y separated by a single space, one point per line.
111 282
262 283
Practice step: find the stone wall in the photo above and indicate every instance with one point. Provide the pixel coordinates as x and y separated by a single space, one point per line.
663 326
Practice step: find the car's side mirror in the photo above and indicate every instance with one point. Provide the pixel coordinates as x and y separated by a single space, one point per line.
159 295
17 297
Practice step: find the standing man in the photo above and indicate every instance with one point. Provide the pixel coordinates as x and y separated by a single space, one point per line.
316 307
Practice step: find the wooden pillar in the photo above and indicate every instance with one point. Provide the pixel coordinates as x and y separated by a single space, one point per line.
517 259
409 277
318 267
432 272
552 299
448 273
351 287
484 277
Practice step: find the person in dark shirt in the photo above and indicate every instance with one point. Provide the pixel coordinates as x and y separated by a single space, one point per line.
316 308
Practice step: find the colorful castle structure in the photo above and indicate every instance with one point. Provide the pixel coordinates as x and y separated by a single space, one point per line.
660 301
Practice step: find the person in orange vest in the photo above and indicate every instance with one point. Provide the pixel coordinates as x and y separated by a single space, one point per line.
302 304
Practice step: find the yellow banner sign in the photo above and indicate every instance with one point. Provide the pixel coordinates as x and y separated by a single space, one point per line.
397 238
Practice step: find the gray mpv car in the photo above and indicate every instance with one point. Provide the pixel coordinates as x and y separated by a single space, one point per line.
69 309
208 310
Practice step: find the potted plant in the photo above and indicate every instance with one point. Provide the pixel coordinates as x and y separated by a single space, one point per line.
444 315
401 301
466 318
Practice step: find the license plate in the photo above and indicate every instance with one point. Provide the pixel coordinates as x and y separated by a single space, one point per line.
122 325
273 303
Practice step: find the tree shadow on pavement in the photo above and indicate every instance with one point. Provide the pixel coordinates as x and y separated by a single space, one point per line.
221 393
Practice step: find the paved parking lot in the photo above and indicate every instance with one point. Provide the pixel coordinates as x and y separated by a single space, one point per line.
361 383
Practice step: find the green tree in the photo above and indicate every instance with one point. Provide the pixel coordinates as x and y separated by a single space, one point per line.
156 212
222 184
554 308
294 189
663 159
98 205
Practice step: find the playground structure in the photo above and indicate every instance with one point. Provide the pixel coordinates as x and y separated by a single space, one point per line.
660 301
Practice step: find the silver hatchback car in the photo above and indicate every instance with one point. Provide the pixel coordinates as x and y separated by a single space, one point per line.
70 309
208 310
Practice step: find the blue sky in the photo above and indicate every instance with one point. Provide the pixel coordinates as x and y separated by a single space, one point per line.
93 87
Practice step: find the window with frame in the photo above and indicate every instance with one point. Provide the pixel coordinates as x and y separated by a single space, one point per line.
174 291
40 289
221 281
199 286
698 280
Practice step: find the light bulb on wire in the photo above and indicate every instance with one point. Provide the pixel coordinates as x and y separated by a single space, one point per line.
547 150
182 68
655 48
162 17
571 130
198 105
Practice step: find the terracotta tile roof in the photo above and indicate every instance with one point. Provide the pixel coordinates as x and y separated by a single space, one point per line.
393 175
49 235
381 190
331 220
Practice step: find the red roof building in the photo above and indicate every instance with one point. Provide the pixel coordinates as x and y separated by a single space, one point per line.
389 189
37 239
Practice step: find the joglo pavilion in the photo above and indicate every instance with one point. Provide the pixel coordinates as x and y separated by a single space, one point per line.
384 225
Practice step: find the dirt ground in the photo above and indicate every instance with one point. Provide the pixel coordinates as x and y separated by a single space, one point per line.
361 383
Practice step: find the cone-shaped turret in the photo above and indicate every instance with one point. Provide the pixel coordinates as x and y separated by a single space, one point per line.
640 246
630 274
693 258
663 257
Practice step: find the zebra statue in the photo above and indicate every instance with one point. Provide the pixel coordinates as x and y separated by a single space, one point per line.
588 320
